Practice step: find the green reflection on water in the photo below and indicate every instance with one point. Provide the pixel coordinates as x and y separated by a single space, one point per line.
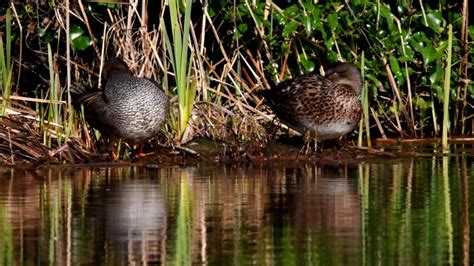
6 241
409 212
411 223
184 236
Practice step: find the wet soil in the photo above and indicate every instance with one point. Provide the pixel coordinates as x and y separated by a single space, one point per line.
203 150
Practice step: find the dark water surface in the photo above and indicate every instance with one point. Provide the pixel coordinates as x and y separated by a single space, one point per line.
405 211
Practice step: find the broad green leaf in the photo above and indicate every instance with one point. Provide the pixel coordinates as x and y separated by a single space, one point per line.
75 31
429 54
397 72
436 76
293 11
387 14
333 21
289 29
243 28
435 21
81 43
308 65
418 41
441 49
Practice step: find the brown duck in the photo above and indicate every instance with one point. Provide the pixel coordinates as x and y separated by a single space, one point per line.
326 106
128 108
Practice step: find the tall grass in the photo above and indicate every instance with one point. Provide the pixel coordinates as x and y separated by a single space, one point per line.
5 63
447 88
55 118
235 44
365 108
177 47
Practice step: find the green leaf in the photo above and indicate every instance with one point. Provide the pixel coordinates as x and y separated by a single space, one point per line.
397 72
435 21
333 21
211 11
429 54
289 29
441 48
293 11
81 43
409 52
308 65
243 27
387 14
75 31
470 31
307 26
418 41
437 76
421 103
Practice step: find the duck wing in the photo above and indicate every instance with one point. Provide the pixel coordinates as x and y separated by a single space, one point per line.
292 99
98 114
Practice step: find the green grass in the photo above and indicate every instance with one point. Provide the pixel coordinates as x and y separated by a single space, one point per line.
182 63
5 63
447 89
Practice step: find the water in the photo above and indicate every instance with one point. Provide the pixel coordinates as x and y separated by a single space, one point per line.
404 211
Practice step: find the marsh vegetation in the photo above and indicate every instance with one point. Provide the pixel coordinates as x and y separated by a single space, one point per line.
211 59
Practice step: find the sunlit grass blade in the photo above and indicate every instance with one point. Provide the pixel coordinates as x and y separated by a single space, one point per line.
365 108
5 63
182 64
447 87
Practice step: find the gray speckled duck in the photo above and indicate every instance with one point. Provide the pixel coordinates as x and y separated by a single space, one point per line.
128 108
326 106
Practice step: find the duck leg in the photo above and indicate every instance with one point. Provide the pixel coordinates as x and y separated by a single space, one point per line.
115 153
142 154
307 142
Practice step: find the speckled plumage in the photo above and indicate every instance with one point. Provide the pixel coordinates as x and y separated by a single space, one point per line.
326 105
128 108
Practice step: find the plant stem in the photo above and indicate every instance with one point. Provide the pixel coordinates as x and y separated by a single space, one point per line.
447 87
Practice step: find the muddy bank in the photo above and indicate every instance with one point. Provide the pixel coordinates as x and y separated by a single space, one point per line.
207 151
203 150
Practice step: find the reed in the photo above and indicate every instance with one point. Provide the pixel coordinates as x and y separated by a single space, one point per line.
364 122
447 88
229 52
5 63
177 47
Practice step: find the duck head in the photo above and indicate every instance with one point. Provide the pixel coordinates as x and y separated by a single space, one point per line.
345 73
114 66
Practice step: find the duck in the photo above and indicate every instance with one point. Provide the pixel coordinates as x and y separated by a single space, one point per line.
323 106
128 108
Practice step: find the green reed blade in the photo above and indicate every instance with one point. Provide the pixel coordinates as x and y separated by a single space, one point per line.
447 87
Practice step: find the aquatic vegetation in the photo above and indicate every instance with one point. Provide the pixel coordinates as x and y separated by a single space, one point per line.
177 48
6 68
212 58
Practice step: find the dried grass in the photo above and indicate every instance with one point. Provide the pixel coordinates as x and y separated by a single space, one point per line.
226 111
21 142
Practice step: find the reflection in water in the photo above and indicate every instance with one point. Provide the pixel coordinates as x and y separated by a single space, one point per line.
135 218
395 212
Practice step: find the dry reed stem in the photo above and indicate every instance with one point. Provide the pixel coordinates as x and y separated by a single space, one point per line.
464 66
86 22
394 87
20 142
20 52
410 118
377 122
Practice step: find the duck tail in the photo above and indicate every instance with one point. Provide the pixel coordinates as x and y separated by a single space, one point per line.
79 94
